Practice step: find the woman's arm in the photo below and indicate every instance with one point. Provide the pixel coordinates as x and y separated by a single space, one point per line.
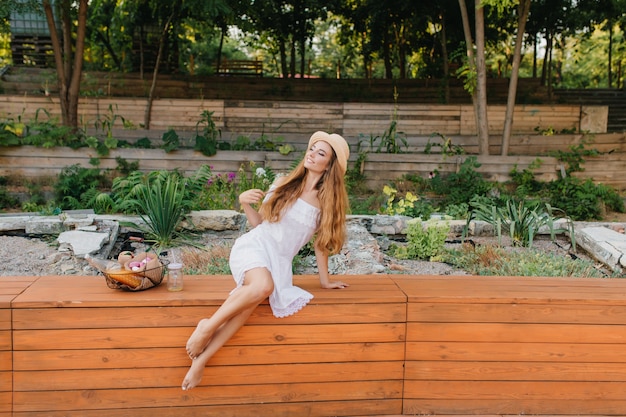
246 199
322 266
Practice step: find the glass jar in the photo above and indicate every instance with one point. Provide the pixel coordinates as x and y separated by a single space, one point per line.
175 277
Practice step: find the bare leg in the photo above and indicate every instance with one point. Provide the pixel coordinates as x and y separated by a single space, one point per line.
257 286
221 336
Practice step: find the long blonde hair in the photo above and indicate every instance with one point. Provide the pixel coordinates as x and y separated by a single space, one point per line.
333 198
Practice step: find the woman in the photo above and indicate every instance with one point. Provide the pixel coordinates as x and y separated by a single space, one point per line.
311 200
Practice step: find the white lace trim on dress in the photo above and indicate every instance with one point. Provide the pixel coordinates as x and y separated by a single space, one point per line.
292 308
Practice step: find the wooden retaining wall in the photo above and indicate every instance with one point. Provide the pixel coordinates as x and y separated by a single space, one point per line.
386 345
378 168
255 118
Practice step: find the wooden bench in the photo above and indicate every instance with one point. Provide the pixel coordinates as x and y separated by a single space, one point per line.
387 345
242 67
82 349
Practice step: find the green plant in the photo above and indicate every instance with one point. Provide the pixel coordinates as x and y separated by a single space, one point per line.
524 181
221 191
488 260
409 205
48 133
425 240
459 187
74 181
162 201
207 142
447 148
575 157
522 219
171 141
583 199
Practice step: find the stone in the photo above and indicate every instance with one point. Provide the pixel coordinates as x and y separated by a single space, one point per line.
82 243
217 220
46 225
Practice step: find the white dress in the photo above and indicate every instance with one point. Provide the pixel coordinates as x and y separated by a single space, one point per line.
273 246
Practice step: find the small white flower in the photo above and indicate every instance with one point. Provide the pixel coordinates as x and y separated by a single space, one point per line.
260 172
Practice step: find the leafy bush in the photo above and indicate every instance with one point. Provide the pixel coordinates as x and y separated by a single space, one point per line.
425 240
409 205
460 187
74 181
583 199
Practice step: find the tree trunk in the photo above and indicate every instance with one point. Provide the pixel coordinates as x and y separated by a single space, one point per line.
155 73
446 59
471 62
522 13
610 74
69 66
481 82
283 58
387 56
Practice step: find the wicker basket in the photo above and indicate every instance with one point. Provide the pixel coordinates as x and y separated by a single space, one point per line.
137 274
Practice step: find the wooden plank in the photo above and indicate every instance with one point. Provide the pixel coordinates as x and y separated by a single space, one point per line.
516 313
175 356
52 291
381 407
155 337
515 352
131 377
515 371
212 395
103 317
507 406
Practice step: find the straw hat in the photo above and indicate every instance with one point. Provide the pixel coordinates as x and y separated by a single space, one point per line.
339 145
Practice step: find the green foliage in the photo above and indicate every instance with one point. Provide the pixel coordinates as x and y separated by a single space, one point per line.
459 187
522 219
7 201
524 181
575 157
207 141
492 261
446 147
74 181
425 240
409 205
221 191
583 199
161 198
171 141
47 132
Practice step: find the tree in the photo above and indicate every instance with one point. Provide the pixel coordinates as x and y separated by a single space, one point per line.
522 12
477 70
68 54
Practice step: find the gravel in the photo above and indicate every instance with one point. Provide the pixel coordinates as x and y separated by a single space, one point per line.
27 256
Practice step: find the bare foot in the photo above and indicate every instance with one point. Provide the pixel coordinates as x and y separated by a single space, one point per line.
199 339
194 375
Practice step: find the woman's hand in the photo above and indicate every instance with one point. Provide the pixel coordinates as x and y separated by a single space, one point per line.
335 284
247 198
251 196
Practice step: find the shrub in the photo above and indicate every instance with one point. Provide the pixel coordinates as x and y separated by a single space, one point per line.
460 187
425 240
